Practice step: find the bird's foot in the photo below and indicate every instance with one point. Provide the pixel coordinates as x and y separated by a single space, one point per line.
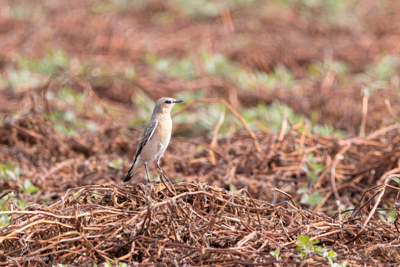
168 180
165 178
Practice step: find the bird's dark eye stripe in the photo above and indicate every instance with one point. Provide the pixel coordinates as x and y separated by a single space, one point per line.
168 101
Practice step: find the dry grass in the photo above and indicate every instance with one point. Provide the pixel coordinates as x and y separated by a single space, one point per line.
194 224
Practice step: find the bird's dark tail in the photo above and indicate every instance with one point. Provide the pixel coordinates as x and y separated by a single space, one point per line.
130 174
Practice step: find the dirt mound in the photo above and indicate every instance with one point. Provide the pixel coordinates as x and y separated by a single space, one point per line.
190 224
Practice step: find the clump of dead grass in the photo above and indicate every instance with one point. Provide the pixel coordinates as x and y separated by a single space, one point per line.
188 224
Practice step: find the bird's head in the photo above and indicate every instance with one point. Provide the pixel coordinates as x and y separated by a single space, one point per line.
165 104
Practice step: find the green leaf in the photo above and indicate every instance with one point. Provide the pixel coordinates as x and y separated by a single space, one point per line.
28 187
2 168
10 174
9 166
304 240
116 164
314 242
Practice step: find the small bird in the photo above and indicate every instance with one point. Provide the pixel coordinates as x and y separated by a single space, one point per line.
155 138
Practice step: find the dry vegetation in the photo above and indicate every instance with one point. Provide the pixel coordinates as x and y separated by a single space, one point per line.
286 152
193 224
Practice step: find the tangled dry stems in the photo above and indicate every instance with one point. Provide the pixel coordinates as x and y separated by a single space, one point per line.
188 224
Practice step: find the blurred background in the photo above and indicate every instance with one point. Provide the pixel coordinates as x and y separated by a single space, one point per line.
329 64
311 59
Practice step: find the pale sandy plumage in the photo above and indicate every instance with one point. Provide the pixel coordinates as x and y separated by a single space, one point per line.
155 138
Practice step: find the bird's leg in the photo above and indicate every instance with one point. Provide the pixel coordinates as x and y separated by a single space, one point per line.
158 165
147 173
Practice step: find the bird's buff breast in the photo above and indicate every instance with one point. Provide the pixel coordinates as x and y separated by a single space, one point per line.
157 145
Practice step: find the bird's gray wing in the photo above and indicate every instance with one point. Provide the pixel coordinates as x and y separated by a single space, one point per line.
146 136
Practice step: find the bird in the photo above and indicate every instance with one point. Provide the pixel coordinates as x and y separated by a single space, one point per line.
155 138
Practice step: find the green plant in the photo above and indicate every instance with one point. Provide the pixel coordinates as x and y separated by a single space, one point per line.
24 10
321 69
67 119
204 8
20 200
387 214
322 130
116 164
310 199
233 189
121 264
178 179
28 188
94 195
20 79
4 218
28 72
276 253
116 6
396 179
203 120
171 67
272 115
312 168
130 72
54 60
66 122
331 256
335 264
384 68
328 12
218 65
306 247
380 74
8 171
71 97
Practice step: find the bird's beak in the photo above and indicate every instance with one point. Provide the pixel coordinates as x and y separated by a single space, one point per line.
178 101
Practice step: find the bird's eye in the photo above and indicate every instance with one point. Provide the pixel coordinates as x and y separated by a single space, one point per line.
168 101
